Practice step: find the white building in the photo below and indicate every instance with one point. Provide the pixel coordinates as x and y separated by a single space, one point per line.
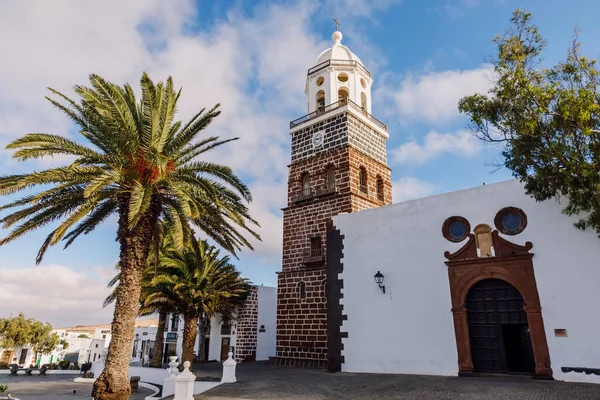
249 334
474 281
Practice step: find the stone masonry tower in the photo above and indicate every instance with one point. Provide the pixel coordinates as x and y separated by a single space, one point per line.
339 165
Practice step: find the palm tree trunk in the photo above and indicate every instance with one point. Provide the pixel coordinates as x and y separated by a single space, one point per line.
190 330
113 382
157 352
202 330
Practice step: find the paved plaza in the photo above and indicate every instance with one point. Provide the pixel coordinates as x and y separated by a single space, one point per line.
53 387
260 381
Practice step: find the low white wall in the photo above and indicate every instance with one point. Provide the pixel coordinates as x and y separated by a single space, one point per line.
48 372
150 375
410 329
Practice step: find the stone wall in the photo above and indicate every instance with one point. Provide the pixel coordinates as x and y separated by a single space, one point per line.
339 131
247 328
364 138
335 135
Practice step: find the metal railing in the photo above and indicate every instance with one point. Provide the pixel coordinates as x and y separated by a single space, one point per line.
305 193
313 255
308 193
346 63
334 106
329 187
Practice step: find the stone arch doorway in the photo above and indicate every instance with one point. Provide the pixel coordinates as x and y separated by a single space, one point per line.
509 262
498 328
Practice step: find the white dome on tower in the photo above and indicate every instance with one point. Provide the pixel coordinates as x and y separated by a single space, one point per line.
337 79
338 51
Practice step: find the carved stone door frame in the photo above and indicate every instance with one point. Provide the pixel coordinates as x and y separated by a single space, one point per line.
512 263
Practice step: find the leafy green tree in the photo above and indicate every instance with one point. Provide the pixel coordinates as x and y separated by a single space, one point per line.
199 282
83 336
15 332
137 162
42 340
548 119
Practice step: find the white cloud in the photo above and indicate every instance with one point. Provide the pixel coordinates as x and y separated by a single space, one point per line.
433 97
348 9
409 188
55 294
462 143
253 65
458 8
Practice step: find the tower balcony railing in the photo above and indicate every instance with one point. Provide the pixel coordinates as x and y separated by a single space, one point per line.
305 194
329 187
335 106
308 193
334 62
313 255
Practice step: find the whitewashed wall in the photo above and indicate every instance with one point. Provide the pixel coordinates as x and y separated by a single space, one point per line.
410 328
267 316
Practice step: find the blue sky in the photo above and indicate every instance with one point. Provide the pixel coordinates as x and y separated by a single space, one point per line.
252 57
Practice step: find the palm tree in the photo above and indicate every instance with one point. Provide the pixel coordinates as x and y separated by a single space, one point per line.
200 283
146 309
141 165
161 241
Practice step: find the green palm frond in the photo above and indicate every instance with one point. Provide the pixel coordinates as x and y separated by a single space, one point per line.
132 158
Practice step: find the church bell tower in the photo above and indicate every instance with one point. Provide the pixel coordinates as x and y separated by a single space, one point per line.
338 165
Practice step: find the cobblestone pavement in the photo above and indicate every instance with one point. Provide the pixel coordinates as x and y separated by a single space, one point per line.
53 387
260 381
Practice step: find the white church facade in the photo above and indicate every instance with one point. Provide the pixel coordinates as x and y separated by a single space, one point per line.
473 281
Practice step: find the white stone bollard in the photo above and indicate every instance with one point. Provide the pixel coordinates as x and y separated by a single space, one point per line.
169 382
184 383
229 369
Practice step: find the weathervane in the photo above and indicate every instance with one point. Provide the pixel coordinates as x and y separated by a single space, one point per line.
337 24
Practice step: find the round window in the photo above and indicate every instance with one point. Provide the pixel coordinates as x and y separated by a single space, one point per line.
510 221
320 81
363 83
456 229
343 77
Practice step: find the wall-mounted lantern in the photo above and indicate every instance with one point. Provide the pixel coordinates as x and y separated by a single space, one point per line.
379 280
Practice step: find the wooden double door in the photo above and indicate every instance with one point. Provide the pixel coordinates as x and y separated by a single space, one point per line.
498 328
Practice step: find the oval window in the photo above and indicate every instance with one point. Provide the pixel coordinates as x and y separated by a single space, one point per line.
343 77
510 221
456 229
320 81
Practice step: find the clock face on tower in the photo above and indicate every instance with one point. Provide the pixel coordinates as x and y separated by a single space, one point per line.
317 140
